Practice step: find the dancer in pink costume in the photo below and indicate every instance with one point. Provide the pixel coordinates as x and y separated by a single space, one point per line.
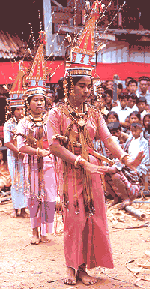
71 130
39 167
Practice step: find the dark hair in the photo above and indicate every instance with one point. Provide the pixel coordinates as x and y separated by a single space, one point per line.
136 125
136 113
132 81
148 114
120 86
114 126
141 99
143 78
129 77
13 110
112 113
108 91
132 95
122 96
60 90
108 80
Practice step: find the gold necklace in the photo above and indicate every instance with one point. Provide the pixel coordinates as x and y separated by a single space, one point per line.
78 117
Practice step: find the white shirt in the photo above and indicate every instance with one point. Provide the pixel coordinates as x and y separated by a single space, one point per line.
122 113
147 96
134 148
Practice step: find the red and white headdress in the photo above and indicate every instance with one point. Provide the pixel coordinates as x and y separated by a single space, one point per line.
16 93
37 77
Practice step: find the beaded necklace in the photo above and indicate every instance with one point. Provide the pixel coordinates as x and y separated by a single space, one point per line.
79 119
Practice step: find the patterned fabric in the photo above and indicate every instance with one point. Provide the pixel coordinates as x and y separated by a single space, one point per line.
41 193
15 167
86 239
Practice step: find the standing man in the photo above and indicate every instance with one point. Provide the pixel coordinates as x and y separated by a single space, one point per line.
132 86
143 85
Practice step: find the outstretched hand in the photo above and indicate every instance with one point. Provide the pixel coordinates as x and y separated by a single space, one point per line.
132 164
92 169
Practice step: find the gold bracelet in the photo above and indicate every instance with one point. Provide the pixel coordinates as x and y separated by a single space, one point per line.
76 161
19 153
38 152
79 161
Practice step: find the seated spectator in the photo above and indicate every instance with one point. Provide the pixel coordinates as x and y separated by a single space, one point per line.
146 126
115 129
100 90
132 118
109 84
123 111
108 99
132 86
134 145
112 116
126 83
141 104
143 85
131 102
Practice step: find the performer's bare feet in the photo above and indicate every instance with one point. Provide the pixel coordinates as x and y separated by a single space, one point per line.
85 278
23 213
71 276
35 237
14 213
44 239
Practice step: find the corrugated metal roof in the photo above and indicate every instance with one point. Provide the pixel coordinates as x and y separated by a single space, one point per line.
11 47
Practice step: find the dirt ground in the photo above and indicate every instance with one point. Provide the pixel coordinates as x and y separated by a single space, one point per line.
24 266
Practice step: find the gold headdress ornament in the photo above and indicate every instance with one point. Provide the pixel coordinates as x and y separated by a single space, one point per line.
82 55
73 69
37 77
83 52
16 92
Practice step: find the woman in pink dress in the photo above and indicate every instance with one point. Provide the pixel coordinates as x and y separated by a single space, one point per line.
39 167
71 129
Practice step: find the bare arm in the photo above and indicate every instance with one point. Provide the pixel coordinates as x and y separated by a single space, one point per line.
12 147
114 148
62 152
69 157
31 151
119 153
28 150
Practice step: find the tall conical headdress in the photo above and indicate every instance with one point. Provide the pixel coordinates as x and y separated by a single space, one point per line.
37 76
83 52
16 93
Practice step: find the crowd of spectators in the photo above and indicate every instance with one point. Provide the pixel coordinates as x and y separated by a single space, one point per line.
128 119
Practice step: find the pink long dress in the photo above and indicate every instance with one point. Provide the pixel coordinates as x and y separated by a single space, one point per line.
86 239
41 214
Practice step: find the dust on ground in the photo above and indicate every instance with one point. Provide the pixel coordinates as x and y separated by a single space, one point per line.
25 266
